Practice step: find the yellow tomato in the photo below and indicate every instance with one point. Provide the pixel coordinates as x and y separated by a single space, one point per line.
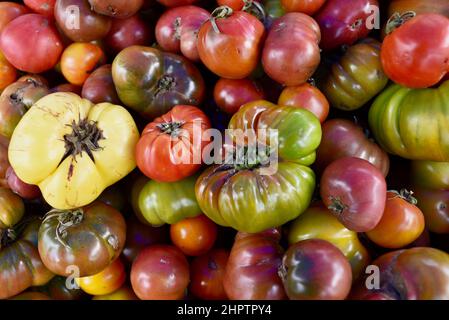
105 282
124 293
73 149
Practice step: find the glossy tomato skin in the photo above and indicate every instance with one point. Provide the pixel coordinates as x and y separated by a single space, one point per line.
357 77
434 204
92 254
308 97
171 147
430 174
42 49
344 22
9 11
44 7
416 54
24 190
291 53
8 73
160 272
116 8
343 188
99 86
177 29
252 268
316 270
234 51
106 281
344 138
124 293
309 7
12 208
419 6
207 273
151 82
231 94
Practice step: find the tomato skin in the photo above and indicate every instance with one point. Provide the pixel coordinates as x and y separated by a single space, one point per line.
42 49
9 11
116 8
67 87
252 269
99 86
434 204
419 6
160 272
343 190
24 190
4 162
176 3
207 273
12 208
57 290
124 293
291 54
308 97
234 51
416 54
106 281
170 154
8 73
309 7
44 7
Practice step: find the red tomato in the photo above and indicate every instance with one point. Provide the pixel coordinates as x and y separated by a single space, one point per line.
194 236
231 94
44 7
171 146
416 54
25 190
42 48
9 11
160 272
309 7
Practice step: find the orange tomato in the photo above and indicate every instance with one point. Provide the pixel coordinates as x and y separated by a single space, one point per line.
8 73
124 293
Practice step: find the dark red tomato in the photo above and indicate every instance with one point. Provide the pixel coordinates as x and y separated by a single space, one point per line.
229 44
315 269
291 53
416 54
435 207
9 11
128 32
116 8
176 3
177 30
160 272
343 22
308 97
67 87
355 191
252 269
42 48
309 7
44 7
25 190
343 138
231 94
171 146
99 86
207 273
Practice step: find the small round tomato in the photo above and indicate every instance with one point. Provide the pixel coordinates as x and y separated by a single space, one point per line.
307 97
78 61
207 273
124 293
309 7
44 7
8 73
194 236
99 86
25 190
160 272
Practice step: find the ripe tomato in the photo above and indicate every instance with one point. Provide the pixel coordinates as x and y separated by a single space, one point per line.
160 272
194 236
25 190
434 204
12 208
9 11
309 7
106 281
207 273
44 7
8 73
124 293
42 48
229 44
116 8
307 97
419 6
99 86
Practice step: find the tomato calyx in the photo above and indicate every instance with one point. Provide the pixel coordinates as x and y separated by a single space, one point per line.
171 128
7 236
84 138
165 84
177 28
337 206
406 195
66 220
250 158
220 13
397 20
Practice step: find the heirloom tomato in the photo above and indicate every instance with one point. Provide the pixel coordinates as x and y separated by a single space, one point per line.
229 44
430 174
89 238
24 190
418 7
80 146
9 11
171 146
106 281
291 53
124 293
99 86
309 7
412 123
8 73
44 7
12 209
151 82
116 8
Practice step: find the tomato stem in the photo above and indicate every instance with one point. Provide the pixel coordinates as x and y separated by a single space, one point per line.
406 195
66 220
171 128
165 84
397 20
337 206
248 158
255 8
219 13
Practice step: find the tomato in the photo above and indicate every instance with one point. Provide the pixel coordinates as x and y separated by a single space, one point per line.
24 190
44 7
291 53
207 273
42 49
99 86
252 269
160 272
116 8
355 191
317 222
343 138
177 30
418 6
114 197
157 203
9 11
67 87
430 174
411 122
194 236
229 44
176 3
308 97
434 204
12 208
58 290
89 238
356 78
416 54
316 270
151 82
82 146
79 60
344 22
4 163
273 10
309 7
124 293
8 73
16 99
231 94
80 24
106 281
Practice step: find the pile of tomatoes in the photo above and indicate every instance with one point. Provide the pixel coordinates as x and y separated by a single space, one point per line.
101 99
